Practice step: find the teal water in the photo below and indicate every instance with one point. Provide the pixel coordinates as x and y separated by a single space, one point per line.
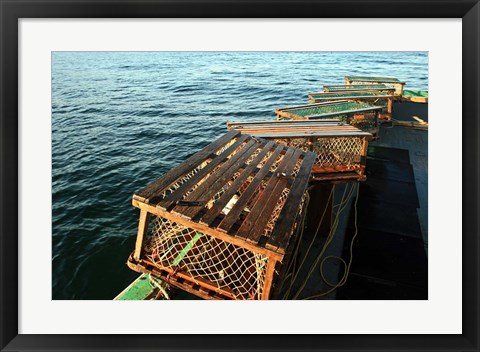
122 119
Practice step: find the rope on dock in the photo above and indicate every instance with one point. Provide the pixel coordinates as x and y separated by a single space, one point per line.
320 259
158 285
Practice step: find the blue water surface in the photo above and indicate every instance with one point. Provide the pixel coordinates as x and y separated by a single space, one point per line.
122 119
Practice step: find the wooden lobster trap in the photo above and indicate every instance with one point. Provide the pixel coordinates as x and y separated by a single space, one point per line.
388 81
360 115
340 149
372 98
346 88
224 221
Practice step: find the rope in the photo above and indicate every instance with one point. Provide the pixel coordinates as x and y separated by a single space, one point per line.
294 277
343 280
343 203
158 285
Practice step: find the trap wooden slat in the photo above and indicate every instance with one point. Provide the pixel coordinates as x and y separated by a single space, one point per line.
202 195
235 212
347 88
360 115
389 81
192 222
354 94
296 129
362 96
321 138
280 235
180 170
220 204
170 200
270 195
252 124
271 203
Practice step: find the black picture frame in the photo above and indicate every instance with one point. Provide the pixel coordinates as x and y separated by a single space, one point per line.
12 10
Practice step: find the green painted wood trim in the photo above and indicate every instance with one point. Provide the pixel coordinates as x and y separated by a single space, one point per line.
140 289
187 248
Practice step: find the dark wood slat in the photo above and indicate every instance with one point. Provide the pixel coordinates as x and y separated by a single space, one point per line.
220 182
298 129
245 227
217 208
200 196
260 224
172 198
256 221
191 163
237 125
237 209
310 134
283 228
349 97
296 107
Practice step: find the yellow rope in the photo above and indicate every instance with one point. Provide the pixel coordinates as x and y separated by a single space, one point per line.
294 276
343 203
343 280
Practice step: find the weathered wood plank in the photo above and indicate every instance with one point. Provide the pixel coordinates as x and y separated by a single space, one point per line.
192 162
142 229
283 228
220 204
269 273
237 209
328 122
172 198
290 158
270 201
319 134
209 187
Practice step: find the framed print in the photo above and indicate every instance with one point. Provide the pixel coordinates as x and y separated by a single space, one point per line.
195 113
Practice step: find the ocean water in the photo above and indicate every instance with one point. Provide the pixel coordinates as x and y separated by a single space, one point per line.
122 119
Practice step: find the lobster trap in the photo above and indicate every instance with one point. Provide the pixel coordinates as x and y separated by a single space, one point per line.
388 81
372 98
360 115
346 88
340 149
221 225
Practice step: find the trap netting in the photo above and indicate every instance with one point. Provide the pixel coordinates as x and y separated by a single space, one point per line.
207 260
328 108
331 152
366 121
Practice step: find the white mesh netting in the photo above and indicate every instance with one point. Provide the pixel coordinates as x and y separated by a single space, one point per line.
220 264
331 152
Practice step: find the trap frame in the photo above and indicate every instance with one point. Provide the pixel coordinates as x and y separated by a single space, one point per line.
372 98
341 149
345 88
224 220
360 115
388 81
